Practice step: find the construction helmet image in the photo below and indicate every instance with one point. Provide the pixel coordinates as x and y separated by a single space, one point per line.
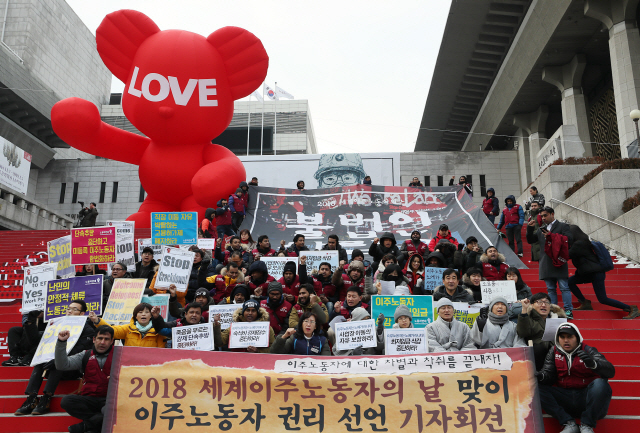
339 169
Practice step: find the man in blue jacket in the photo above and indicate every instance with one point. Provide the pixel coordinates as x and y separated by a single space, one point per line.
513 217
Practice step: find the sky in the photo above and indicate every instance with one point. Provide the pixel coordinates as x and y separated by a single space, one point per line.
364 66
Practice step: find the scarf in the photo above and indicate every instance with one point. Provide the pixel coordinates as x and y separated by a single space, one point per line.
498 332
451 336
143 329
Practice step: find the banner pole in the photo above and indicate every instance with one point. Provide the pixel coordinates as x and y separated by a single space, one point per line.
249 124
262 124
275 120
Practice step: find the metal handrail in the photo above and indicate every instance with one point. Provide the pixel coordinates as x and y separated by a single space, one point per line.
592 214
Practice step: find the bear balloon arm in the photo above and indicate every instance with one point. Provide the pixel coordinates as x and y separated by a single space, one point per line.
78 123
219 177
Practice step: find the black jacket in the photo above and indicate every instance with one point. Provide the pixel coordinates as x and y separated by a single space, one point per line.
460 295
604 368
378 251
342 253
583 258
145 271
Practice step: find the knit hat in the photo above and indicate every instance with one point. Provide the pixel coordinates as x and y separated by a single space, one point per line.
442 302
201 292
495 300
250 304
356 264
274 286
356 253
359 314
289 267
240 288
416 231
402 310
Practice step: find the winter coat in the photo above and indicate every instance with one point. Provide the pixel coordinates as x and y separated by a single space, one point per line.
451 336
132 337
236 204
535 245
378 251
476 290
325 287
221 338
490 271
408 248
583 258
437 255
89 217
537 197
491 204
470 258
224 256
460 295
437 238
257 253
278 316
531 325
557 249
342 253
453 257
147 272
300 345
510 214
496 336
546 269
298 310
223 214
220 286
177 310
414 278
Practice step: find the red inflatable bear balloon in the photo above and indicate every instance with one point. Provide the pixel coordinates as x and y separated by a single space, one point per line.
179 91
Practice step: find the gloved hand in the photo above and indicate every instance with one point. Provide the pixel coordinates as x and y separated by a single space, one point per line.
380 323
539 375
368 272
587 359
358 351
481 320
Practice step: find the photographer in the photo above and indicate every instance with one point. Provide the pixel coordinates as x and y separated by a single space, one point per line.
88 215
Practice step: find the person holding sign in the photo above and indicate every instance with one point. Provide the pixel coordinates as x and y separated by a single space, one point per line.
192 315
303 339
393 274
493 329
446 333
357 314
333 244
403 319
139 332
119 270
250 312
34 406
90 270
95 364
308 301
146 267
451 290
201 297
23 340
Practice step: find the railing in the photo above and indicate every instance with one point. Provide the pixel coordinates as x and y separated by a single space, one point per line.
592 214
25 204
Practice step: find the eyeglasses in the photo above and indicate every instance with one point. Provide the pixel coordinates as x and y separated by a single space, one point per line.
542 302
310 322
117 269
73 309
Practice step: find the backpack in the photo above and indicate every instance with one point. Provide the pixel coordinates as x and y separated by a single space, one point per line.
606 263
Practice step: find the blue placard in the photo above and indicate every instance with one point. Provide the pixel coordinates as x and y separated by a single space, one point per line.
174 228
421 307
433 278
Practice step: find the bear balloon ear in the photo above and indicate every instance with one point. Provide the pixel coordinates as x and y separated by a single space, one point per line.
118 38
245 59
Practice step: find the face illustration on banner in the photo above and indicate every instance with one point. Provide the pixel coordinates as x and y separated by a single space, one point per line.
339 169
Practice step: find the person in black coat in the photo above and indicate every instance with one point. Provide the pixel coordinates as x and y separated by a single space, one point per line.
386 244
588 270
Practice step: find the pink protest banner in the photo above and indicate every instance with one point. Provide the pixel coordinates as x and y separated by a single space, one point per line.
93 245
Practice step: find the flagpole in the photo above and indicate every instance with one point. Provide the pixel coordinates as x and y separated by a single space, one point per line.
249 124
275 120
262 124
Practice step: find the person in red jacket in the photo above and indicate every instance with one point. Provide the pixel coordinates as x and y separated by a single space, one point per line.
96 366
491 205
443 233
290 281
513 219
277 307
574 381
263 248
492 265
295 249
414 271
220 286
224 219
236 206
414 245
324 287
258 279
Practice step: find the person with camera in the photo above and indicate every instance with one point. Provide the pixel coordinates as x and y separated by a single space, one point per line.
88 215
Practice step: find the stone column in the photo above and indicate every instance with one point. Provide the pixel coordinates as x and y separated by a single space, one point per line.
568 79
535 125
524 158
619 16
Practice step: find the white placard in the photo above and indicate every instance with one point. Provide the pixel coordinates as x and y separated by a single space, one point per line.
314 258
245 334
175 268
207 243
34 288
193 337
505 289
15 164
124 243
46 348
406 341
550 328
350 335
226 313
157 249
275 265
338 319
388 287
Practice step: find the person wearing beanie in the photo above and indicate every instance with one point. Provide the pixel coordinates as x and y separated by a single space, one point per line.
355 277
277 307
201 296
450 288
493 329
446 333
308 301
414 246
574 381
512 218
402 317
258 279
250 312
239 295
471 281
386 244
357 314
290 281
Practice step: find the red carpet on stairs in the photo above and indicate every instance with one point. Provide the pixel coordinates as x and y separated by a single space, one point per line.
602 328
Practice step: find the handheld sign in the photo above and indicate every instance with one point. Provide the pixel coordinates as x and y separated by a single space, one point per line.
60 293
59 251
175 268
160 300
550 328
406 341
207 243
124 243
421 307
34 288
388 287
491 289
245 334
193 337
226 313
47 346
157 249
350 335
174 228
125 295
314 258
93 245
275 265
465 313
432 278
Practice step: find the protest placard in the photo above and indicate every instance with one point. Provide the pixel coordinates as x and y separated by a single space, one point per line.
505 289
465 313
46 348
174 228
126 293
207 243
421 307
124 243
406 341
61 292
432 278
93 245
551 326
175 268
275 265
388 287
361 333
160 300
314 258
193 337
245 334
34 288
157 249
226 313
59 251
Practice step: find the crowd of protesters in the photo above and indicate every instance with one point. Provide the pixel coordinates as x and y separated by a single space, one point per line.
299 306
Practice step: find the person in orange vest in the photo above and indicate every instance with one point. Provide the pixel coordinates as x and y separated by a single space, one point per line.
512 218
